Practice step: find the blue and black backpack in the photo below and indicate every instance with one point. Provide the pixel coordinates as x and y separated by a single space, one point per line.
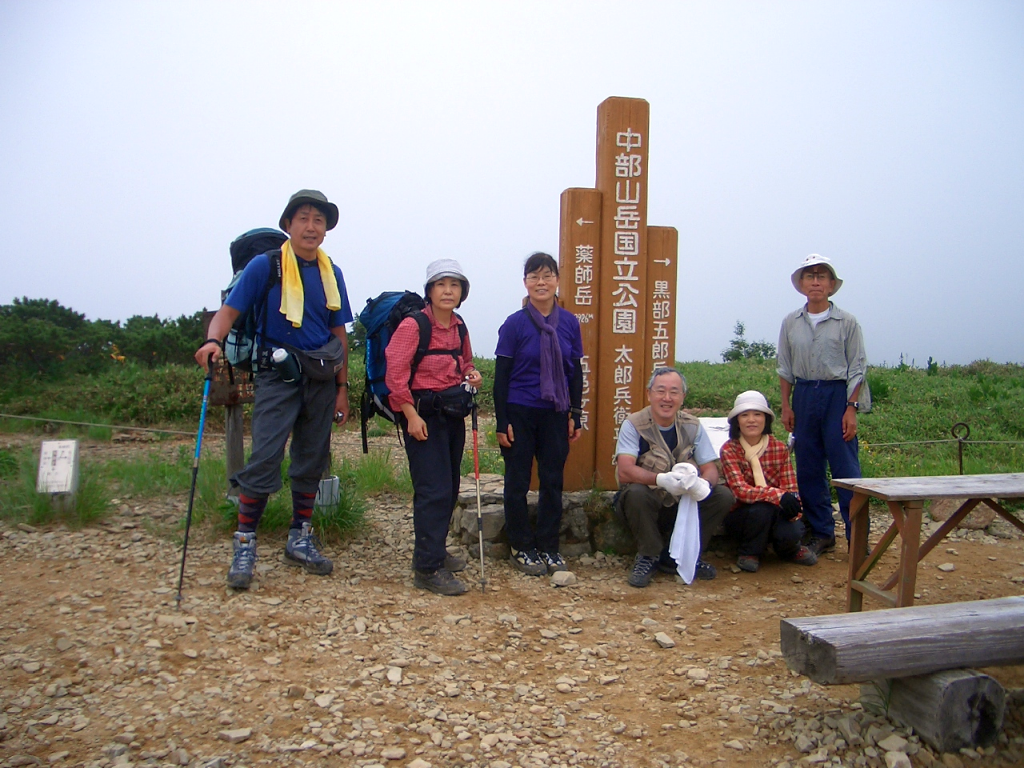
240 345
380 317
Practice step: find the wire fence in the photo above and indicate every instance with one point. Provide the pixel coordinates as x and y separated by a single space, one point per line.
123 427
960 432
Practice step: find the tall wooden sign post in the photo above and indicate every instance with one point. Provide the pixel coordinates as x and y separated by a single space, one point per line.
619 277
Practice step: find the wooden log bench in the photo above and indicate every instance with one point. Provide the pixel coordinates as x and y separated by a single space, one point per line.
917 658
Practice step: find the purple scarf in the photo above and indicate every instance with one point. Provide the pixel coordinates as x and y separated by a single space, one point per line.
554 388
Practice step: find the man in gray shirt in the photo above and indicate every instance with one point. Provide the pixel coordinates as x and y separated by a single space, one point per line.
822 363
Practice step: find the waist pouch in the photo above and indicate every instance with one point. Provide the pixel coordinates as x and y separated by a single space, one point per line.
321 364
456 402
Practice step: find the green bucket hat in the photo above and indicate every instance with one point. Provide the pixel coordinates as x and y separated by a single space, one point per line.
313 197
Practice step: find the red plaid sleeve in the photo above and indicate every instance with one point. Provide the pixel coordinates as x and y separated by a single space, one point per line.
782 465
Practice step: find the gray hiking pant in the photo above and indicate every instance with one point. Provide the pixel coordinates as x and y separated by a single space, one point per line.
304 410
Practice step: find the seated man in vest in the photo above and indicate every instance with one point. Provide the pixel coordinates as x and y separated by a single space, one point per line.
651 443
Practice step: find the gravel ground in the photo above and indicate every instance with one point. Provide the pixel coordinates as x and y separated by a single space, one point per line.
98 667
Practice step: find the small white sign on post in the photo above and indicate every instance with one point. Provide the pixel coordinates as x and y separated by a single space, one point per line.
58 467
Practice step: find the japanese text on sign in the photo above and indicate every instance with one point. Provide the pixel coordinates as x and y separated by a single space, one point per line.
625 304
662 313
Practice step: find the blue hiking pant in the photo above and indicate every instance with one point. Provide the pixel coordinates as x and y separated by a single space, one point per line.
819 407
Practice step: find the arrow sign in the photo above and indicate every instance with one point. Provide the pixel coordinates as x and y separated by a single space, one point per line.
581 221
666 262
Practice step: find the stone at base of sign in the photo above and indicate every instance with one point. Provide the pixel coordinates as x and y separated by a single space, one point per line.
582 513
493 550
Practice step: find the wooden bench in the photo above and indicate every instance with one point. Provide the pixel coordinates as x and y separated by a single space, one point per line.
908 653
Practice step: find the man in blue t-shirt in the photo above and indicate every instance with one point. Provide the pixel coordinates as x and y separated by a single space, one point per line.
305 311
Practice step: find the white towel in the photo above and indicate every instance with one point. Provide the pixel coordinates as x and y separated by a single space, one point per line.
684 546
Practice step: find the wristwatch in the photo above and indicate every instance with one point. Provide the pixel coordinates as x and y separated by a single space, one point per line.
853 404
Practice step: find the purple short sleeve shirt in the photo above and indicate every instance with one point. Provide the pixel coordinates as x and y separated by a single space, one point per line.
519 339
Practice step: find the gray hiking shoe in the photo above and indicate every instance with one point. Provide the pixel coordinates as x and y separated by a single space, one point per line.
243 561
643 571
303 548
440 582
454 563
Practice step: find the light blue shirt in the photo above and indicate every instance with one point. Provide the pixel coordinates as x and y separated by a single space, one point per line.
832 350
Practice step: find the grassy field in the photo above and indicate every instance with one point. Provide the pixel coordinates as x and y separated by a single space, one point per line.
908 431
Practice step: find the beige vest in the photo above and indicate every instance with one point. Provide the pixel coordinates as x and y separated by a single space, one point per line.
658 458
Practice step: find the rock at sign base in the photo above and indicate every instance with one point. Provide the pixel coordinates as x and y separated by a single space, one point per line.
563 579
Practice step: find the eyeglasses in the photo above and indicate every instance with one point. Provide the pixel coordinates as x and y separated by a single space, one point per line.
661 392
544 277
822 276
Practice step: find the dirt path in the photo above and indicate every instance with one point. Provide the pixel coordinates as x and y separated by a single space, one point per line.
98 668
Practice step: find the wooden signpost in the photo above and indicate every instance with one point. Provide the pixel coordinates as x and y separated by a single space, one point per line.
619 277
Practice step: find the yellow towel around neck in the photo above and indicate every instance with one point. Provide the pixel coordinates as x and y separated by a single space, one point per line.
292 294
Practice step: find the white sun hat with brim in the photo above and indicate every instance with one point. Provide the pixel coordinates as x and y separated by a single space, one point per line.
441 268
813 260
751 400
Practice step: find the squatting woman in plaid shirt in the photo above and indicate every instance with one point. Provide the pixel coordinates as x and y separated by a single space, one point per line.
758 471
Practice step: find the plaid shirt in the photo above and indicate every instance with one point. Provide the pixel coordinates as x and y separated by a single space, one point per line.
435 372
775 464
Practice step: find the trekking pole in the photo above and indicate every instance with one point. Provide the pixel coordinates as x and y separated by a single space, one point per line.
479 511
195 474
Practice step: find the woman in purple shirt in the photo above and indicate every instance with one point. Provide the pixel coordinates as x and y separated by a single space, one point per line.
538 390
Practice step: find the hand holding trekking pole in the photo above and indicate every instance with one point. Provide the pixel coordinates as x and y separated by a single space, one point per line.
195 471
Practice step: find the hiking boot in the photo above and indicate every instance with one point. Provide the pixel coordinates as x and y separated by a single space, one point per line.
748 563
303 548
440 582
243 560
705 571
454 563
529 562
803 556
819 545
553 561
643 571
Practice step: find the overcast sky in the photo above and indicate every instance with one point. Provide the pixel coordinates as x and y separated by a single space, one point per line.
138 139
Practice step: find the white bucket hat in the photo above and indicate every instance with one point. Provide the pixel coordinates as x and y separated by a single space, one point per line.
811 261
446 268
751 400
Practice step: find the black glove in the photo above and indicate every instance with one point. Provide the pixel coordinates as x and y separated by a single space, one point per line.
791 506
